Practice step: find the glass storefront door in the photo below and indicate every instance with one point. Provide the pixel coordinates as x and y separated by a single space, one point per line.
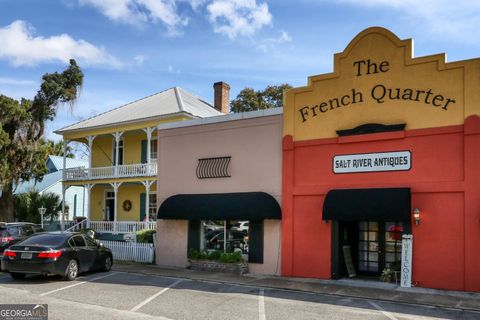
379 245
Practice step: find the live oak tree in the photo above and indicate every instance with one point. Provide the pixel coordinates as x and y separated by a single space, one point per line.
249 99
22 124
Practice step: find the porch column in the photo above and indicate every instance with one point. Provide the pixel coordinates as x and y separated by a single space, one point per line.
115 186
64 149
149 132
147 184
90 146
62 218
89 201
117 135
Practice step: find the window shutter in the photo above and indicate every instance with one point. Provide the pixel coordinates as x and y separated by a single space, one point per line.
194 235
143 200
255 242
144 151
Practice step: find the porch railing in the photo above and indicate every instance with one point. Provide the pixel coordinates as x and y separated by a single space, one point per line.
123 171
131 251
121 226
77 226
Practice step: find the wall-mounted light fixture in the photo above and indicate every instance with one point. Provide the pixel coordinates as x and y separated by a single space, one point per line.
416 216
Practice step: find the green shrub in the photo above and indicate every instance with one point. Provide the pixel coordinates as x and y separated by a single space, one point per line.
195 254
231 257
192 254
214 255
145 236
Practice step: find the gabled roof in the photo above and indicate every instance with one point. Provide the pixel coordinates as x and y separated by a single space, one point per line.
55 163
48 181
173 101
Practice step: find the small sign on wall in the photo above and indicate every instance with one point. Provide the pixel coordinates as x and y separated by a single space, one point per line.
406 269
373 162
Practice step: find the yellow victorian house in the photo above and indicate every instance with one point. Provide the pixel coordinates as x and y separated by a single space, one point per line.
122 173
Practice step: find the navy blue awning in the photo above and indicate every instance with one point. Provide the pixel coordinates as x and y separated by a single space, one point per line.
388 204
252 206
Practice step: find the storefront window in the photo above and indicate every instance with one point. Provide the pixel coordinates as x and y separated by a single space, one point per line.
214 237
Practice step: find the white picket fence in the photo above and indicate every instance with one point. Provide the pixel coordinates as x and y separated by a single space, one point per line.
131 251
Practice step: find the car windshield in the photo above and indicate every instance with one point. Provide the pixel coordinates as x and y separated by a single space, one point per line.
51 240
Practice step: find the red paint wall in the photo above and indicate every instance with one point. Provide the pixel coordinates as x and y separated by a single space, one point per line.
445 184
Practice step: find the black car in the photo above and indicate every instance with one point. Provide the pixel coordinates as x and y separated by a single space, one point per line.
56 253
11 233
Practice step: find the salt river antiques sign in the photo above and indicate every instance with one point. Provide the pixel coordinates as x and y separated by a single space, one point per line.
378 93
406 268
373 162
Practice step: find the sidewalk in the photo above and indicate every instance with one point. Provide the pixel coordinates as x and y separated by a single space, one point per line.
345 287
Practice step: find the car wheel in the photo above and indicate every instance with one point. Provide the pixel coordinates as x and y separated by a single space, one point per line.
72 270
108 264
17 275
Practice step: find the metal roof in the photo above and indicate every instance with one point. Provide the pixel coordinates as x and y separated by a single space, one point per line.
55 163
47 181
169 102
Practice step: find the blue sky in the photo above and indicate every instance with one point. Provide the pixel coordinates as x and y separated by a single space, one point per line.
129 49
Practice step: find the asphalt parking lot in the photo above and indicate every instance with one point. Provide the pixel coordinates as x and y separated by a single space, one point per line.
121 295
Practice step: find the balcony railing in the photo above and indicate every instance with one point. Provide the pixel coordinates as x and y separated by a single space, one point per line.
123 171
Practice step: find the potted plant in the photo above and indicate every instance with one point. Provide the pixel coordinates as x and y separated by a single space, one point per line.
387 275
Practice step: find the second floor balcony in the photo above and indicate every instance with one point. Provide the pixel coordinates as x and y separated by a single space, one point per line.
111 172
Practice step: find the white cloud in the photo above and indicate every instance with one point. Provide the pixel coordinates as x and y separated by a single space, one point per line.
271 43
137 12
19 46
17 82
163 11
229 17
139 58
118 10
454 19
238 17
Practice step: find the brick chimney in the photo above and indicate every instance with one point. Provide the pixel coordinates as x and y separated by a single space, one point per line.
221 92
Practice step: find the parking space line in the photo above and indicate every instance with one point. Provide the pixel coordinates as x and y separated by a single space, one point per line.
385 313
261 305
77 284
144 302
